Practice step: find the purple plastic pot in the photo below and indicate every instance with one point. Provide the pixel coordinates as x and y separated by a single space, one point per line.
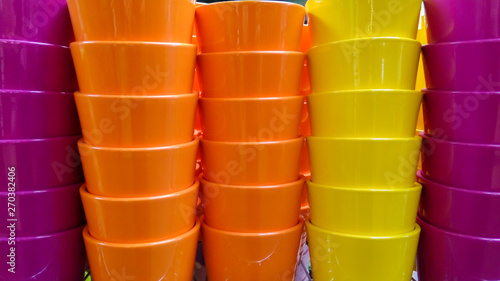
40 163
36 67
444 255
463 66
464 165
56 257
42 212
460 210
462 116
45 21
464 20
31 115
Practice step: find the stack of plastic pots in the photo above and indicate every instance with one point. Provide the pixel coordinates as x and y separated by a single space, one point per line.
250 68
135 65
461 149
363 149
41 212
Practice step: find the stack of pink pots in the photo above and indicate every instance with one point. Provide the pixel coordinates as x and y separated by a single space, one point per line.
460 206
41 215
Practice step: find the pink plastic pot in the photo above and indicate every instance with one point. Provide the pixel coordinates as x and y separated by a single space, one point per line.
460 210
33 115
36 67
462 116
444 255
463 165
40 163
45 21
43 212
463 66
464 20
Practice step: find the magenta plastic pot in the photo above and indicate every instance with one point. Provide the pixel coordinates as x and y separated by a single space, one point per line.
31 115
36 67
460 210
463 165
55 257
444 255
463 66
462 116
39 163
42 212
464 20
45 21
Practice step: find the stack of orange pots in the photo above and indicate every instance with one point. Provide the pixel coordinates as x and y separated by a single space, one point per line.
135 65
250 68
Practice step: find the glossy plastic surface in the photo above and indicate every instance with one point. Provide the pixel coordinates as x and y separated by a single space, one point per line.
336 256
251 163
36 21
370 63
251 209
463 116
251 119
249 26
36 67
133 20
364 163
136 121
36 211
444 255
58 257
166 260
41 163
269 256
463 66
460 210
140 219
337 20
32 115
138 172
373 212
364 113
250 74
464 165
134 68
465 20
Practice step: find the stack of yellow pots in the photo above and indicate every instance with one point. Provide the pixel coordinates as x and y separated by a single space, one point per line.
363 149
135 66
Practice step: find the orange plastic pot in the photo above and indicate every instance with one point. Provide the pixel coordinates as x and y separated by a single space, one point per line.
141 219
251 119
138 172
249 26
251 163
166 260
136 121
132 20
134 68
251 208
250 74
269 256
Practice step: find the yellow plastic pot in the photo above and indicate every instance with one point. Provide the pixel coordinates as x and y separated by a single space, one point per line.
369 63
336 20
364 163
345 257
359 211
364 113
